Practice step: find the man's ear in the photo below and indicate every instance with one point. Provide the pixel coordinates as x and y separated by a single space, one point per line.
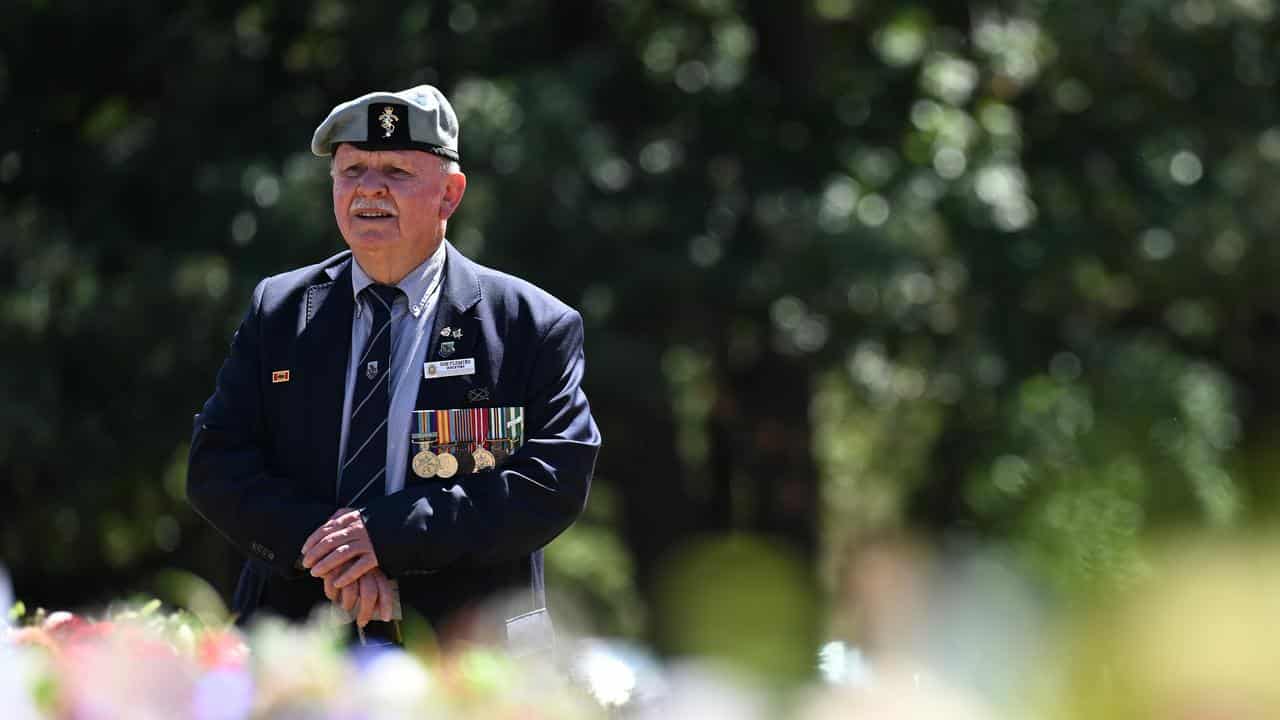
455 186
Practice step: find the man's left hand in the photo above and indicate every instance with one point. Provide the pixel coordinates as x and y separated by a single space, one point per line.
341 543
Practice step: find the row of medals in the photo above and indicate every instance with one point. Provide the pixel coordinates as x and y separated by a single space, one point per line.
445 464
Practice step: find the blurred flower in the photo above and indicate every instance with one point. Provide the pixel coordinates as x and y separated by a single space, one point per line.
299 668
62 626
609 679
33 637
225 649
111 671
223 694
707 692
393 684
842 664
19 679
900 694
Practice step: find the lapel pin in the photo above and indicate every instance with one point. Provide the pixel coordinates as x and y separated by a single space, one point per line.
446 348
457 333
446 331
280 376
371 369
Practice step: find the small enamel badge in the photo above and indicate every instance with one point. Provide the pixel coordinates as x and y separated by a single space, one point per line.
280 376
457 333
447 348
371 369
388 120
446 332
476 395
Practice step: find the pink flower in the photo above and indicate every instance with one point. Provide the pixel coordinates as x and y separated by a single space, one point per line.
62 625
83 632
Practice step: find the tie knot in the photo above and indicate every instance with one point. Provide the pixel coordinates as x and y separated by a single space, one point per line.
382 296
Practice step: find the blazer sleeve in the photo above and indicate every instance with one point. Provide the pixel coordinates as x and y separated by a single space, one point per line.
506 513
227 480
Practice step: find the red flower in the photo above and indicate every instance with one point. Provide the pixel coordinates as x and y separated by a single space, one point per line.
221 650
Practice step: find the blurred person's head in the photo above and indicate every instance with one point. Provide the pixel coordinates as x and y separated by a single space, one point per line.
885 589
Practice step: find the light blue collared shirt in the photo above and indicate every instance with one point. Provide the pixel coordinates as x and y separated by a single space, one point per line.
411 317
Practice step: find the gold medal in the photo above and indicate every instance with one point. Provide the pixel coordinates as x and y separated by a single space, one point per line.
448 465
425 464
466 463
484 459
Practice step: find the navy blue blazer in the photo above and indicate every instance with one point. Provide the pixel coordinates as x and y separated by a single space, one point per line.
264 454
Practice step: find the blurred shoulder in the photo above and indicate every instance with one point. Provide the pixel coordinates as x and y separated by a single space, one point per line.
516 298
282 288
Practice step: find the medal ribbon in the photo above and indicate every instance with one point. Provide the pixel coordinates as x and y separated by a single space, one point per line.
482 426
421 438
516 426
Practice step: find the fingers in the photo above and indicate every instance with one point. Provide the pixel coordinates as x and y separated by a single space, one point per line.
352 531
350 596
386 600
340 519
341 555
328 544
330 591
354 571
368 599
324 529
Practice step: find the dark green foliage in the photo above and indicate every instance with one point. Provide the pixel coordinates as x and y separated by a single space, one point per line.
1003 267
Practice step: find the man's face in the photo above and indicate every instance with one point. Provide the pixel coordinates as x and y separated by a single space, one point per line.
391 204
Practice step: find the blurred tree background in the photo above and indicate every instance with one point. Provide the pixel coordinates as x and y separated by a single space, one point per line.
985 269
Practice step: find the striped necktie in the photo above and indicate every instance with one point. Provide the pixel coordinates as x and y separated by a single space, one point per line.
365 469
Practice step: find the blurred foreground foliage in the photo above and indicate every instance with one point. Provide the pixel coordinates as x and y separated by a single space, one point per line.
959 635
996 269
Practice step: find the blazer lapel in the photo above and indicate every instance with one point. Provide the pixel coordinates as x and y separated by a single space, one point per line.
455 313
326 346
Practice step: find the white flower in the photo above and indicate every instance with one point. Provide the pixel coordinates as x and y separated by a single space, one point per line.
394 684
610 680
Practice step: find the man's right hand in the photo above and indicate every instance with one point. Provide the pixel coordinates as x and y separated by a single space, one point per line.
372 597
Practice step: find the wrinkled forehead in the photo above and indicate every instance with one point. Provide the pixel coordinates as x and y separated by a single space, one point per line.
346 153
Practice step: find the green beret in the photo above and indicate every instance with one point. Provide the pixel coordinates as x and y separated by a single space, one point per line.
419 118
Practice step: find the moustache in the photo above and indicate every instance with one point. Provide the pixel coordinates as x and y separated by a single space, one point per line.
372 204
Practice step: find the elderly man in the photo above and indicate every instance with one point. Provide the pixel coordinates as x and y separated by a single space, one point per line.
396 424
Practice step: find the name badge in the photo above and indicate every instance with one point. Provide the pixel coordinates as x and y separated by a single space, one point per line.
449 368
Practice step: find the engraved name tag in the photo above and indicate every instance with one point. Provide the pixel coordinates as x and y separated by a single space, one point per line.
449 368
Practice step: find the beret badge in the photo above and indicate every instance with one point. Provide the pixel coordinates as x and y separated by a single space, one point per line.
388 120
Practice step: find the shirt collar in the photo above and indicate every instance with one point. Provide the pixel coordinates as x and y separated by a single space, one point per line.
417 285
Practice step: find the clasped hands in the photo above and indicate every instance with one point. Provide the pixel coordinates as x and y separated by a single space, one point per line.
341 554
